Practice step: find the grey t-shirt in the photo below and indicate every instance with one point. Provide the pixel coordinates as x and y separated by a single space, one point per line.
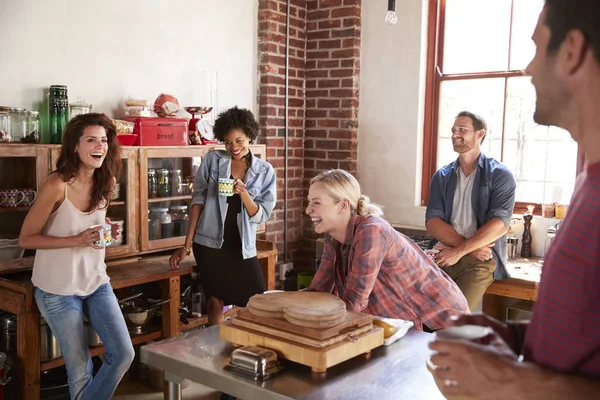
463 216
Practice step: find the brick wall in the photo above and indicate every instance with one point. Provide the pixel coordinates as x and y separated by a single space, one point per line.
271 64
323 82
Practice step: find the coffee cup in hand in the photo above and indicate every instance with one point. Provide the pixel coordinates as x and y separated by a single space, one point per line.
474 333
104 235
226 186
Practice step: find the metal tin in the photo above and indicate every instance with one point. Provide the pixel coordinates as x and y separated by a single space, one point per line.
254 359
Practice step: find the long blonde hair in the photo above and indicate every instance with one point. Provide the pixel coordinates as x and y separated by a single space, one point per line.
342 185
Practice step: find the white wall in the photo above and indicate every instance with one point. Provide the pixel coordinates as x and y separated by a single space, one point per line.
391 108
107 50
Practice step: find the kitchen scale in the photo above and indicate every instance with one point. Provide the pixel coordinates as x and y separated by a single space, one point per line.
200 131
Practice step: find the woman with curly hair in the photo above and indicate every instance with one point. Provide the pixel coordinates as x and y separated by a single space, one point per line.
222 229
69 273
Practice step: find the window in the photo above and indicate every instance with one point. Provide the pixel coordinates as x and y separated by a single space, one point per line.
477 53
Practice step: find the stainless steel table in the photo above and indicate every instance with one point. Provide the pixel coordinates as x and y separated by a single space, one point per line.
393 372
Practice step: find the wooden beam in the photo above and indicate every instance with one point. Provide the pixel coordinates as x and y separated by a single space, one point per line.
28 354
170 311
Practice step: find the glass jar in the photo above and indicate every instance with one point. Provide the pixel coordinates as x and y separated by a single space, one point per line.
33 128
79 107
154 215
5 127
180 219
18 124
152 188
166 225
550 236
162 183
176 183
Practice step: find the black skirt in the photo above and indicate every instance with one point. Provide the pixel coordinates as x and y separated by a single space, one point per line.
224 273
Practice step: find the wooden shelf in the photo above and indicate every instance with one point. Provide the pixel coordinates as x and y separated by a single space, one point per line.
203 320
194 322
13 209
155 333
117 203
172 198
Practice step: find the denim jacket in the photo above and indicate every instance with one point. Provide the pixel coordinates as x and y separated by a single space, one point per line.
493 196
260 183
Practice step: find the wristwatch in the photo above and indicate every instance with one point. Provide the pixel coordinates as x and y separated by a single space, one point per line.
187 250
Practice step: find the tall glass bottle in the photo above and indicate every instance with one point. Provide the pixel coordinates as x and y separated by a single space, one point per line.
54 115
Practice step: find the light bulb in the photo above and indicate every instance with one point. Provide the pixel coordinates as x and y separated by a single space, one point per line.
391 18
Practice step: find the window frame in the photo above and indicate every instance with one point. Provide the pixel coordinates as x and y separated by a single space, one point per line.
434 78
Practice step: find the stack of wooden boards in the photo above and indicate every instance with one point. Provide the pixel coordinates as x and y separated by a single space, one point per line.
309 309
310 328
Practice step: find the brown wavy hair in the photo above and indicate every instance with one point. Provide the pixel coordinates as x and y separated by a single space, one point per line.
68 162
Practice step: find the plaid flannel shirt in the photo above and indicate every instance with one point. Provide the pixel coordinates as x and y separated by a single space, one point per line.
380 271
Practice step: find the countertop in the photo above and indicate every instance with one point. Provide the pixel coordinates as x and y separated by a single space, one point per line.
394 372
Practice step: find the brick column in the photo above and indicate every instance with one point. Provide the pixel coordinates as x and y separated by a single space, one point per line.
323 102
332 85
271 64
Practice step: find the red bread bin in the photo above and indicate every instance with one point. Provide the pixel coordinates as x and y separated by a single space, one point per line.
160 132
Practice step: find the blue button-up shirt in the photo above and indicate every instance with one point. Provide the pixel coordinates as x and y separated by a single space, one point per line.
493 196
260 183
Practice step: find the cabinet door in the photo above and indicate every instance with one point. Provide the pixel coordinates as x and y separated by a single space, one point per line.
125 206
24 170
164 200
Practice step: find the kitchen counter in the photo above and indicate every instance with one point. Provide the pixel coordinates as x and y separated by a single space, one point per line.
525 275
16 296
394 372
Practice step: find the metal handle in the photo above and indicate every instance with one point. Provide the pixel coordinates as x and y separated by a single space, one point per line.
352 338
134 296
165 124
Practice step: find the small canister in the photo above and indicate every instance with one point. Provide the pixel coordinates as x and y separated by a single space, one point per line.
5 135
511 249
180 220
79 107
152 186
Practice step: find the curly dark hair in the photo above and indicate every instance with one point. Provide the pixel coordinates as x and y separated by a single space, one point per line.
68 162
236 118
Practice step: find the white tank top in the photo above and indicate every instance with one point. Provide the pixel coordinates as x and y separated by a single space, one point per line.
75 270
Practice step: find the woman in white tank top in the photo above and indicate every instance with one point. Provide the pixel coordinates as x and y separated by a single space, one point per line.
69 272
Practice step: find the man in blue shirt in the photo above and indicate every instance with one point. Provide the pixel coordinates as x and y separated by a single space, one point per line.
471 201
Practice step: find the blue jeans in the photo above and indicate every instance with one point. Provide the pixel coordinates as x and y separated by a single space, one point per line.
64 315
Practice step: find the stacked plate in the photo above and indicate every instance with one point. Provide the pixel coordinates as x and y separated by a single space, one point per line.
116 192
308 309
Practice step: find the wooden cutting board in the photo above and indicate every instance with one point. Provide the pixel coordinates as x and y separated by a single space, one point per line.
310 306
319 359
353 320
348 334
307 309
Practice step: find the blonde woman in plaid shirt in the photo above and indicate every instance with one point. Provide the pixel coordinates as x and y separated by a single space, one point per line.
372 267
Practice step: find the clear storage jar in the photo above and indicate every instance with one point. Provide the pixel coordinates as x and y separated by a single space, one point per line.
18 124
33 128
154 215
5 127
180 219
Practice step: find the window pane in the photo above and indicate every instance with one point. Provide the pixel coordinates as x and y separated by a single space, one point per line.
543 159
525 15
476 36
481 96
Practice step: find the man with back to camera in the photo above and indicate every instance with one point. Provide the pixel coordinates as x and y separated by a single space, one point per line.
556 355
470 204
